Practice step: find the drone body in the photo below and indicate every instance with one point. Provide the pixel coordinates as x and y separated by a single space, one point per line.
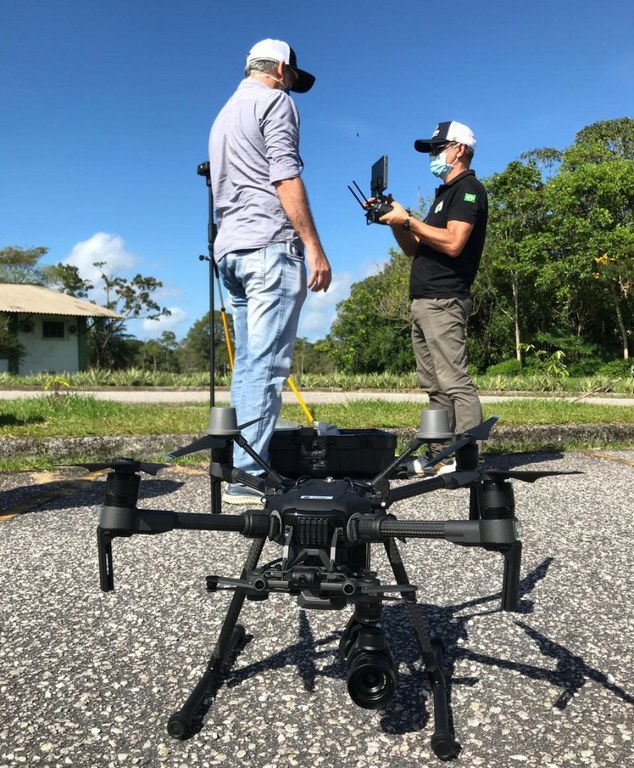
325 528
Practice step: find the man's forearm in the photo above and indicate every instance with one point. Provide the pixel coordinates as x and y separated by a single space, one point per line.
449 240
294 200
406 240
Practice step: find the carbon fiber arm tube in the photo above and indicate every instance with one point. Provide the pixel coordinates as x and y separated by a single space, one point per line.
472 532
122 520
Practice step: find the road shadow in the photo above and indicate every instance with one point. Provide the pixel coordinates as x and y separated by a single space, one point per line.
73 492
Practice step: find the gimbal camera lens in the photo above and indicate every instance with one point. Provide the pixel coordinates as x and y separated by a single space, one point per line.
371 680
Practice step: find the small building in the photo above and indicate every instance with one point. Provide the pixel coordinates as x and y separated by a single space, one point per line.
50 326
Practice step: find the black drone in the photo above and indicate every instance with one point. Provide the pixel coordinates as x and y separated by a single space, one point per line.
326 527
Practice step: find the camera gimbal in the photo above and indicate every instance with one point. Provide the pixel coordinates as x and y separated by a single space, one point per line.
326 528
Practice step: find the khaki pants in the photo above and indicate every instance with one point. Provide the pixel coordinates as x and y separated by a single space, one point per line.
439 338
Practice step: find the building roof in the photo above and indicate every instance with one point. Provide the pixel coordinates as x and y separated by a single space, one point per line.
38 300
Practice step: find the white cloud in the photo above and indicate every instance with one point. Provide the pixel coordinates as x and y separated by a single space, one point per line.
320 309
154 328
101 247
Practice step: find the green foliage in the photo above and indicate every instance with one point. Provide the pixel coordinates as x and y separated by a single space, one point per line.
66 279
529 381
601 142
10 347
20 265
193 352
312 358
158 354
617 368
370 333
505 368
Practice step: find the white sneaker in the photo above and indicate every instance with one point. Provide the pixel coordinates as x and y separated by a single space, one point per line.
241 494
419 466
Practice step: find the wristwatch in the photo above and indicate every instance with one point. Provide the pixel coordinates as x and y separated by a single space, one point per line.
405 224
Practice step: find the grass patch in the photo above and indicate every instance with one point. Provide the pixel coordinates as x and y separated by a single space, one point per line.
72 415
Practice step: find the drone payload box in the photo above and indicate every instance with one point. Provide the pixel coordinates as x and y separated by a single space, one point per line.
348 453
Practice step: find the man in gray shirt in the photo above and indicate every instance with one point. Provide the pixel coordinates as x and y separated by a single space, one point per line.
266 234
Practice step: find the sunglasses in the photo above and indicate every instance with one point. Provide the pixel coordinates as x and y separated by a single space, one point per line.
437 150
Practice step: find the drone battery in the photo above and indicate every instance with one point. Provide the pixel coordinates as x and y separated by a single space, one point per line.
351 453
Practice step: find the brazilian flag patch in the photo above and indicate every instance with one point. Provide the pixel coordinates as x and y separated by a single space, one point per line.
469 197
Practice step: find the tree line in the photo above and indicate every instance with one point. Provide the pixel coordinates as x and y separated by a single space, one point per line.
555 281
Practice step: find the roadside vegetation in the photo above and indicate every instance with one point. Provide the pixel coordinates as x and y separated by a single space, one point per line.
616 380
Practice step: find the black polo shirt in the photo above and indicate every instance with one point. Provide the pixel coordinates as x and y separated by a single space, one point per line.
434 275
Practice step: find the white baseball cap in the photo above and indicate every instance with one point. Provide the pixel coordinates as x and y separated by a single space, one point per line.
278 50
446 133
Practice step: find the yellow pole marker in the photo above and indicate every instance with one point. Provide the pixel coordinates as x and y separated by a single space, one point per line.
300 400
227 337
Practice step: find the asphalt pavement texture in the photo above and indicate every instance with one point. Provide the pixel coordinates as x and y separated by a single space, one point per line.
90 678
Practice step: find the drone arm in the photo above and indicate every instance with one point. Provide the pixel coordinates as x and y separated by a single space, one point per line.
125 521
385 473
486 533
272 475
452 480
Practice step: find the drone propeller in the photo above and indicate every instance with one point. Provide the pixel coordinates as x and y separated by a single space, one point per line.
122 464
526 475
205 443
481 432
217 438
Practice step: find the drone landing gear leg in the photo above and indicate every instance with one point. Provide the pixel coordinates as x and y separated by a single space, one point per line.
511 578
179 725
443 741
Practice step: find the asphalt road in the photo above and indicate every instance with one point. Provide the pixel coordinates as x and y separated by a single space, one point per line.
90 679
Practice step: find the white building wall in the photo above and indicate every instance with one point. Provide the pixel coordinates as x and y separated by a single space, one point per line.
56 355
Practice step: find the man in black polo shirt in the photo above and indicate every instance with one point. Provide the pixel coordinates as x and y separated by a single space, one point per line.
446 250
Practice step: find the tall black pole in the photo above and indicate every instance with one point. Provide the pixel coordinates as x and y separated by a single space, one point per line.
203 170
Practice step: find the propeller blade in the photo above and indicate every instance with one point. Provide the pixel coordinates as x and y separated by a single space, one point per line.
526 475
121 464
481 432
248 423
205 443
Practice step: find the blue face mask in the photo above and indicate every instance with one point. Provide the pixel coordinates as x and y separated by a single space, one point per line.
439 166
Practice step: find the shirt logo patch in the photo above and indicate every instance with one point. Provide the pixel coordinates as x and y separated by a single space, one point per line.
438 208
469 197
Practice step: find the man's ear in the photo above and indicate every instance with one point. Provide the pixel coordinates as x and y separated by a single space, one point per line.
279 71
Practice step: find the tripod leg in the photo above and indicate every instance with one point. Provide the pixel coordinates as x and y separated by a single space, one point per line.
511 578
180 722
443 741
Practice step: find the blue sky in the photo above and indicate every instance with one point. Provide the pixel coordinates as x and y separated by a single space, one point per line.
106 107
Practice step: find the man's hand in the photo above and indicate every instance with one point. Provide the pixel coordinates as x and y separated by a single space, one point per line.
320 274
396 216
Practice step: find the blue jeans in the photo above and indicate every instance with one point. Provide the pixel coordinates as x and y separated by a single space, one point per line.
267 288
